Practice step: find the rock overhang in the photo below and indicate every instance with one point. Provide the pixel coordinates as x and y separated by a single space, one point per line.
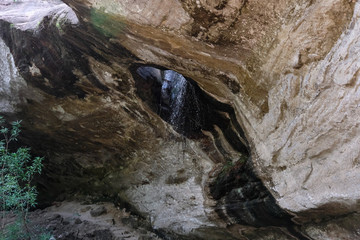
258 104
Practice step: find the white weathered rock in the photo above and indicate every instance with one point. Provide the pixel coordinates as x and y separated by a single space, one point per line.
12 85
308 143
29 14
172 190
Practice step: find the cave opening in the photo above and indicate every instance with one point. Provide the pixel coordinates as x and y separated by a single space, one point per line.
173 97
241 196
180 101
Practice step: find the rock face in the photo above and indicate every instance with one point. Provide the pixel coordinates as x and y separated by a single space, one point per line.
12 83
277 83
302 139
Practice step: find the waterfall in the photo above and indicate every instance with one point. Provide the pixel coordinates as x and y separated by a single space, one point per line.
177 100
184 106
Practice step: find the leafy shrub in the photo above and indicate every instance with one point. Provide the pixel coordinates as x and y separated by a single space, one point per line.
17 170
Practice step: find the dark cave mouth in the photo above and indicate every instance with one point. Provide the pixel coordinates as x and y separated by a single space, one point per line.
173 97
180 101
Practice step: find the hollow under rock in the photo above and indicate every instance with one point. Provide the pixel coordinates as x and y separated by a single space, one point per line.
241 196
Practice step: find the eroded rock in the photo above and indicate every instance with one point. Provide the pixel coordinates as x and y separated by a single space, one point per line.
280 77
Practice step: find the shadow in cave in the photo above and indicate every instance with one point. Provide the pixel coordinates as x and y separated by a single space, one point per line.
241 196
180 101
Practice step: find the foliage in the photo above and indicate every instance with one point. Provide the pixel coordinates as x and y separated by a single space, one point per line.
243 158
230 165
15 231
17 170
226 168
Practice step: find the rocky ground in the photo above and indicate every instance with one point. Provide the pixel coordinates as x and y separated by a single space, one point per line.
75 221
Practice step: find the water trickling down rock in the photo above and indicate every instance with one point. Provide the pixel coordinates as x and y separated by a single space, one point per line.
178 102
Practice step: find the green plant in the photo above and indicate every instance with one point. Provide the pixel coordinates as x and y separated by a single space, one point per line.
225 169
243 158
229 165
15 231
17 170
11 231
45 236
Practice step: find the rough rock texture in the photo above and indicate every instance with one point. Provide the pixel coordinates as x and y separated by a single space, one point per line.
281 80
73 220
306 143
157 13
12 85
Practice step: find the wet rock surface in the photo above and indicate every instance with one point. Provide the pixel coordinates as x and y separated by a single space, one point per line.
275 155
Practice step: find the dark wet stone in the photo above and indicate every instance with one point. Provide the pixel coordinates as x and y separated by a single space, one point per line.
98 211
78 221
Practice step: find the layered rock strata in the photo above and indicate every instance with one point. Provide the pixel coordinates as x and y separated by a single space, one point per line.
280 80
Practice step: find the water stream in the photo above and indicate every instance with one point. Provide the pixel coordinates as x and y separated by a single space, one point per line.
179 103
183 102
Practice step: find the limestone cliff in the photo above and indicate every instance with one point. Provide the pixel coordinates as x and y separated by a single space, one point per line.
274 154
